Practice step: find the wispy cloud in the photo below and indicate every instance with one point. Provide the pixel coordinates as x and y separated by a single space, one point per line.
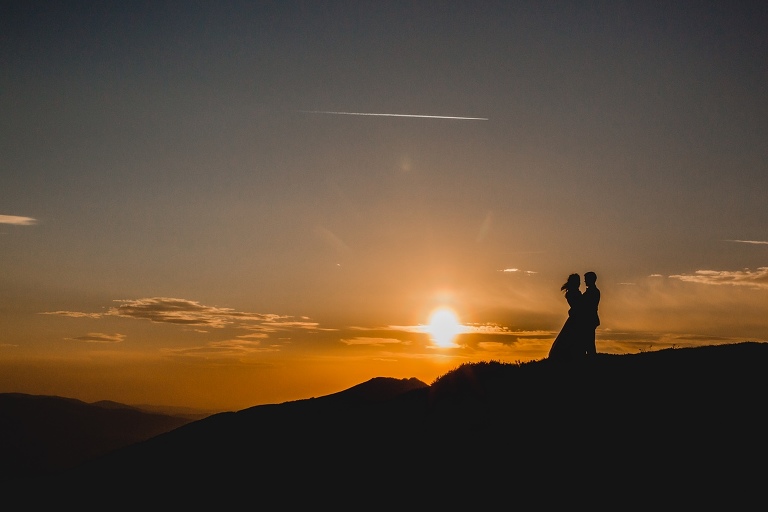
17 221
629 283
757 242
222 350
73 314
373 341
187 312
253 336
293 324
423 328
100 337
191 313
491 328
751 278
517 270
469 328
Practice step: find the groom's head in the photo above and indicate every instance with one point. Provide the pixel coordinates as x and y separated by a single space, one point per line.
590 278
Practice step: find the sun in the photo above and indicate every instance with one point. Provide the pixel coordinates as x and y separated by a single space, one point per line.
443 327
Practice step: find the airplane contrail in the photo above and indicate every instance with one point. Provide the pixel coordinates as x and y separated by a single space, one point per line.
760 242
391 115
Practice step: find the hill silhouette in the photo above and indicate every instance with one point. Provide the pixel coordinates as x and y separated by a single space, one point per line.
42 434
684 425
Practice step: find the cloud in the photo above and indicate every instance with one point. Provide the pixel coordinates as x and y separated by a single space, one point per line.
474 337
255 336
516 270
372 341
493 328
183 312
17 221
72 314
755 279
99 337
223 350
469 328
190 312
294 325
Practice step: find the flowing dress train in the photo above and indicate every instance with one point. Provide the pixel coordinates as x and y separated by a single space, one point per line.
568 343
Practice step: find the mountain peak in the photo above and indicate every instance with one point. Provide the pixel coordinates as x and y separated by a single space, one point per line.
383 388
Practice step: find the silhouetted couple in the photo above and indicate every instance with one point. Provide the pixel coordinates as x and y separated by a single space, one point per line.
577 337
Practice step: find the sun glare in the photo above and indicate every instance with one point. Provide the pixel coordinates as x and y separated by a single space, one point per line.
443 327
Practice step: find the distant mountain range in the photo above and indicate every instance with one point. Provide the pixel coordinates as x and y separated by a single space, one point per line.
686 426
45 434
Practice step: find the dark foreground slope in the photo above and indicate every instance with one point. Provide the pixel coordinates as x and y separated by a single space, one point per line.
683 425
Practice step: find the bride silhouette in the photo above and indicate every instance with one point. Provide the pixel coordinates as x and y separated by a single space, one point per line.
568 343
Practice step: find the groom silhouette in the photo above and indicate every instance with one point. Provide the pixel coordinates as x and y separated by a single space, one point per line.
590 300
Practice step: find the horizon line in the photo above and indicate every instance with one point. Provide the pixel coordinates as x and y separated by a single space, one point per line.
391 115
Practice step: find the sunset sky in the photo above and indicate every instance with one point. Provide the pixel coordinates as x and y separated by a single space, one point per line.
193 212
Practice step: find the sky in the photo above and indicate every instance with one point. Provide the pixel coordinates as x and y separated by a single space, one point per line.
225 204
